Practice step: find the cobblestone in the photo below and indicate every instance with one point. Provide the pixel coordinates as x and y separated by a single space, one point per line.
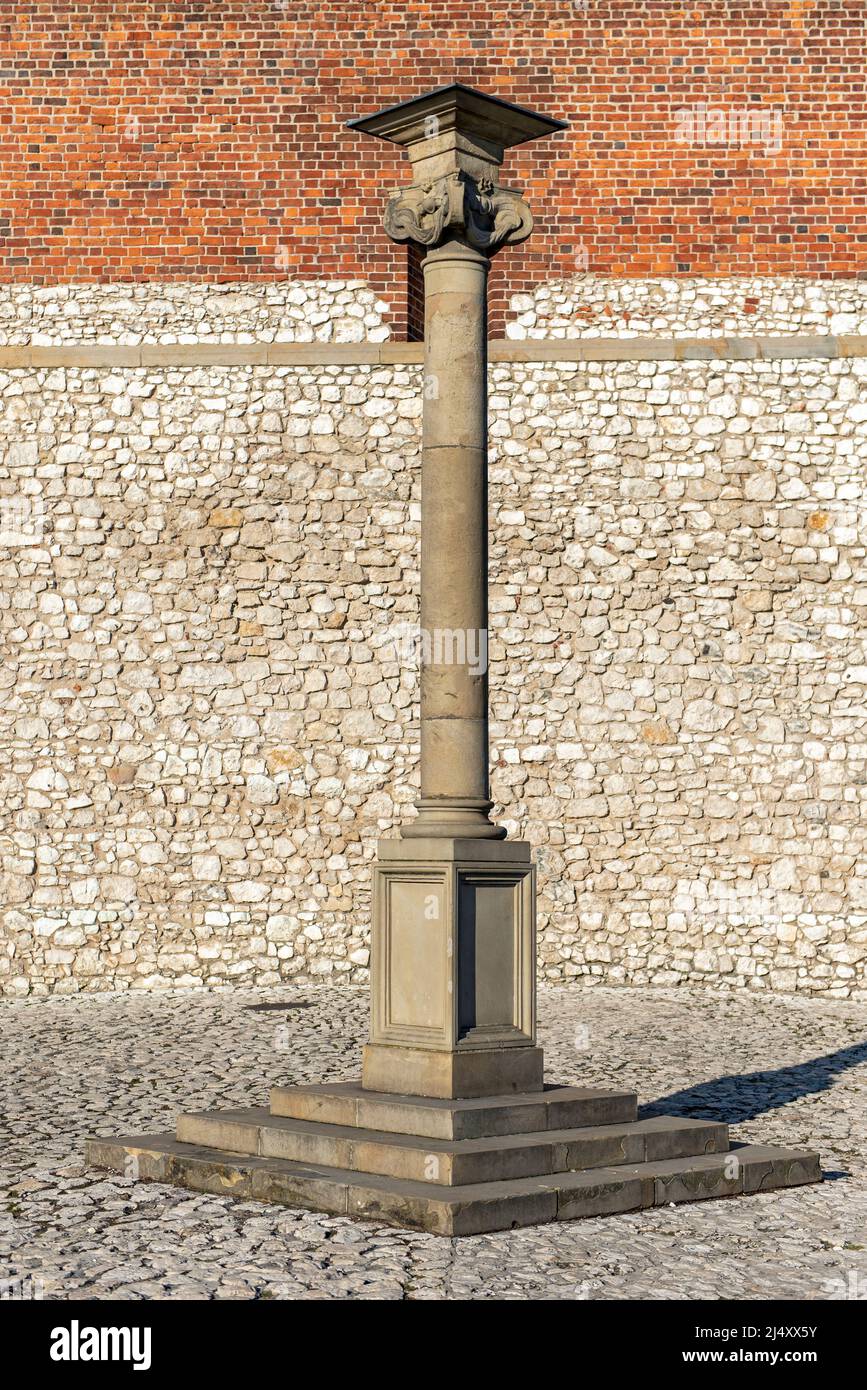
791 1071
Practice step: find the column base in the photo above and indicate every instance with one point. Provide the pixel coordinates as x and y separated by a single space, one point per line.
458 1075
452 818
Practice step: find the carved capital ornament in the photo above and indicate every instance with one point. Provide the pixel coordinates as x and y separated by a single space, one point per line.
457 205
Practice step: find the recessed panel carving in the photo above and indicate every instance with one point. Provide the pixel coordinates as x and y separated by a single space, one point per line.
415 950
487 921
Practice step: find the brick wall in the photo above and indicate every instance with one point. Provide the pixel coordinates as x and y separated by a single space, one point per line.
189 141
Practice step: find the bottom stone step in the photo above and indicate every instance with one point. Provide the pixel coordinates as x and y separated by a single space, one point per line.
455 1211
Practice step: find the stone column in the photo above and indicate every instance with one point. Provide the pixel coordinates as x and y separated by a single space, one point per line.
455 792
453 958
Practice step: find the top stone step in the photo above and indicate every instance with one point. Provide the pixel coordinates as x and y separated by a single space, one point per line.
555 1107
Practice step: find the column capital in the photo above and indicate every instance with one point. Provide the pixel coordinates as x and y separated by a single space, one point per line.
456 138
478 211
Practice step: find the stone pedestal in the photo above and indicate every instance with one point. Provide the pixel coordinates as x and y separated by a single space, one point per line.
453 957
452 1129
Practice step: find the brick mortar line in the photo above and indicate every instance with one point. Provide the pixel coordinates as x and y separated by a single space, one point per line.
761 349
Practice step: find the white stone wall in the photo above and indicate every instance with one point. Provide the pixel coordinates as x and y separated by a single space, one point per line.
286 311
595 306
346 311
206 721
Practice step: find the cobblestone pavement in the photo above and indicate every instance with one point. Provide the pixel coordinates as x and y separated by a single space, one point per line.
787 1071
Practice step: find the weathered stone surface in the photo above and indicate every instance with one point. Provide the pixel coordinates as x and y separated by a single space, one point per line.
766 1168
460 1074
448 1162
556 1107
664 1137
603 1193
148 1162
471 1208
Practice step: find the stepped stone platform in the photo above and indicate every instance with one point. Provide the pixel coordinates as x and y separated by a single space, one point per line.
455 1167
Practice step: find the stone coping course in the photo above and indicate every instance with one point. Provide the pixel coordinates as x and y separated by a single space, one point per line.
764 349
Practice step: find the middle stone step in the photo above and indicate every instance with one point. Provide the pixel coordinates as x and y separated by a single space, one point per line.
451 1162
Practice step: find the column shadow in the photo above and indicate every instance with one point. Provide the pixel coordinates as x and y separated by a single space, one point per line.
734 1099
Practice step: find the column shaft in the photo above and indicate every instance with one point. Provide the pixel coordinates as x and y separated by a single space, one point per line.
455 788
